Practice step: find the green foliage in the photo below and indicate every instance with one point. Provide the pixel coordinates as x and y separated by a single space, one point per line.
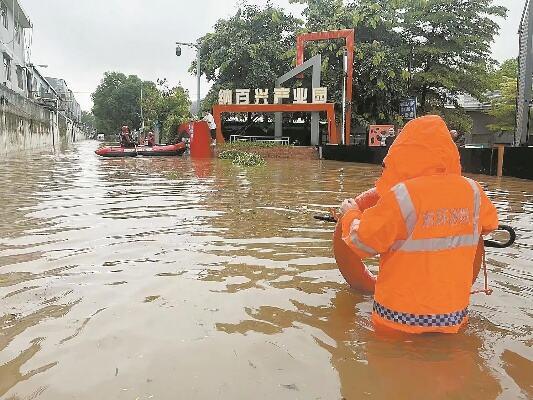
380 84
508 69
456 118
173 110
248 50
449 45
117 102
88 119
251 145
242 158
503 109
429 49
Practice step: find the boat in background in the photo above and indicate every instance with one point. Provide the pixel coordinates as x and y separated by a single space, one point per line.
145 151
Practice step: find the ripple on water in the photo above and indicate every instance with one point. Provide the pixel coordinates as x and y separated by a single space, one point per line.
166 275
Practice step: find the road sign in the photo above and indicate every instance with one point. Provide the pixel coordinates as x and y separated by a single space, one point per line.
408 108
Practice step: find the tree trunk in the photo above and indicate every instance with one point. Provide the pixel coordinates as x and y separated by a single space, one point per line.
423 99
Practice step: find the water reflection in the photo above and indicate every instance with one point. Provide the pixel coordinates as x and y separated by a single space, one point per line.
169 275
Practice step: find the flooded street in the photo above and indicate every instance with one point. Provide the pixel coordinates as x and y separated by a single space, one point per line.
164 279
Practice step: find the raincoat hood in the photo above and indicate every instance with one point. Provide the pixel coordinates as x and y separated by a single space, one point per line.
425 147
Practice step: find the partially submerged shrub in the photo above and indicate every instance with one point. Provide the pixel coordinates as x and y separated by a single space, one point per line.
252 145
242 158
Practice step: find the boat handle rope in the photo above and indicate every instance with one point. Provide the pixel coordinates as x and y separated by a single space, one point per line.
333 218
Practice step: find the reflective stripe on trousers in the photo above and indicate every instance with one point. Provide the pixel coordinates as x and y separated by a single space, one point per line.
434 244
422 320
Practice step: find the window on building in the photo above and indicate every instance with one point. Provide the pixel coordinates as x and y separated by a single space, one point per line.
20 77
3 10
7 68
18 31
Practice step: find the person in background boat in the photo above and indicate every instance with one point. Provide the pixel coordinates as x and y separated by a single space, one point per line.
150 139
208 117
125 137
426 226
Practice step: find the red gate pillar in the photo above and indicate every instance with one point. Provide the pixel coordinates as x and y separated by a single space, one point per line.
217 115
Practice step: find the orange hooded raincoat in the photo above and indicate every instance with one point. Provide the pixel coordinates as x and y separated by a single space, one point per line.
426 228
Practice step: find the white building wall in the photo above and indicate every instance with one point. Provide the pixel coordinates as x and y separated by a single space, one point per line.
13 23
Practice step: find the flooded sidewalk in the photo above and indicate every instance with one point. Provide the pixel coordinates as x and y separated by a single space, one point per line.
166 279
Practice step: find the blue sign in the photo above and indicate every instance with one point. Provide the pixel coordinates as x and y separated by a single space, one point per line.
408 108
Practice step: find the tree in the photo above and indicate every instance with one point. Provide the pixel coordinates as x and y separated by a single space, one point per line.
173 111
447 43
503 109
249 50
117 102
380 76
88 119
429 49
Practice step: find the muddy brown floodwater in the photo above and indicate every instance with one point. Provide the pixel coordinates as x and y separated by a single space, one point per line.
164 279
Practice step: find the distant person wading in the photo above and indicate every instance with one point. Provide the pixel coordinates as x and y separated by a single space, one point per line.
208 117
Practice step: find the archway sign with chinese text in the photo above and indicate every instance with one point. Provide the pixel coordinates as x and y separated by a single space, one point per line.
267 107
282 100
279 96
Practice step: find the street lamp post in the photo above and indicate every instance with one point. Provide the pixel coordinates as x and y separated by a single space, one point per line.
198 70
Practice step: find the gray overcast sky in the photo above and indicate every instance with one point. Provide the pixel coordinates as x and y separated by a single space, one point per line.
79 40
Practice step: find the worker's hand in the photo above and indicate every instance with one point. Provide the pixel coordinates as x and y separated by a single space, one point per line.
347 205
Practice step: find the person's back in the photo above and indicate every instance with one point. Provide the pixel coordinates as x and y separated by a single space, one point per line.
426 226
151 139
211 123
125 137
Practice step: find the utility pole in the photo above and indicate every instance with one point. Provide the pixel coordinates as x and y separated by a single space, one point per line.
198 70
344 83
142 116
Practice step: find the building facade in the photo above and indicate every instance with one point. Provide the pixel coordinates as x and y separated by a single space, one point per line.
39 89
524 131
13 24
20 75
35 111
67 100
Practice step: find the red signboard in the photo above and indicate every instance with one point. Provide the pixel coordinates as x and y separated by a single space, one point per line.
376 133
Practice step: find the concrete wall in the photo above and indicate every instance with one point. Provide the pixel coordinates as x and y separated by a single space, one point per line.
517 160
25 125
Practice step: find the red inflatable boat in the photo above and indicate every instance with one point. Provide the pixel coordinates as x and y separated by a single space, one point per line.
145 151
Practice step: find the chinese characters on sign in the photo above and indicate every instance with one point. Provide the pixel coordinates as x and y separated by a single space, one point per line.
299 96
408 108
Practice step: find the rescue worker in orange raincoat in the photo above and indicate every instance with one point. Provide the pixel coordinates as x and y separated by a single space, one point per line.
151 139
125 137
426 227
